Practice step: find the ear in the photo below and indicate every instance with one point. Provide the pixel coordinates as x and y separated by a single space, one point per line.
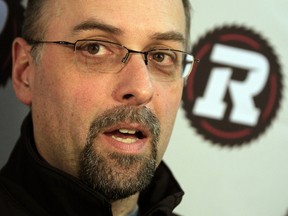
22 70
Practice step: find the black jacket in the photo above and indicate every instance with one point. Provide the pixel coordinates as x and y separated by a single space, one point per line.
30 186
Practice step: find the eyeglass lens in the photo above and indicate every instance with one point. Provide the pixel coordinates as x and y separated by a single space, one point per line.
108 57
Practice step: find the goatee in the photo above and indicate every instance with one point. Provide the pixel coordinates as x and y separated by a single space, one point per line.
117 175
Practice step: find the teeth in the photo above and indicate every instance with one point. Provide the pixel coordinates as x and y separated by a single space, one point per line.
126 131
125 140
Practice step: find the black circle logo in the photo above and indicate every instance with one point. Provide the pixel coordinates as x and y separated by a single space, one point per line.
233 94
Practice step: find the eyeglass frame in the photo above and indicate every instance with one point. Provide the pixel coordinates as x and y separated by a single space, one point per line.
129 51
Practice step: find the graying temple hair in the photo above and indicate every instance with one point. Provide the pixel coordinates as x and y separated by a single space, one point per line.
34 23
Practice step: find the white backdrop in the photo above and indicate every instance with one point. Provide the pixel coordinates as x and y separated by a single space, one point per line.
247 180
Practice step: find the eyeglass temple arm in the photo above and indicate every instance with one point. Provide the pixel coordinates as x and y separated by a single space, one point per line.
65 43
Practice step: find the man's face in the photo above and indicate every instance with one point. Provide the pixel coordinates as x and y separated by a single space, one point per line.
116 126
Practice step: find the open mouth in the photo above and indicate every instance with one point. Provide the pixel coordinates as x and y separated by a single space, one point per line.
127 136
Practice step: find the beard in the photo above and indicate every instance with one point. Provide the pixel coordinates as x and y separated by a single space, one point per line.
115 175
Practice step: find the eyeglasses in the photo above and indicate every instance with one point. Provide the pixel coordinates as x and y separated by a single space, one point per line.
109 57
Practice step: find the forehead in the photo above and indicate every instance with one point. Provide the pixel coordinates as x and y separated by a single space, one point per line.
130 16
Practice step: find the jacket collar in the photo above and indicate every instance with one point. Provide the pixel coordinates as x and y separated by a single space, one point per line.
45 190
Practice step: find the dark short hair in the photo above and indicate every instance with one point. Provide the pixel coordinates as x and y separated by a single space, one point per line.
33 25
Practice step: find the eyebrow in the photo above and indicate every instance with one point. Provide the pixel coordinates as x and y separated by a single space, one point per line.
169 36
94 25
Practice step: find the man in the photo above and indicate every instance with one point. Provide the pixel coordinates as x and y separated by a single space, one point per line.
104 82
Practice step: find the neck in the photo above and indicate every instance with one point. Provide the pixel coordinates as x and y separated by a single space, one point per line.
125 206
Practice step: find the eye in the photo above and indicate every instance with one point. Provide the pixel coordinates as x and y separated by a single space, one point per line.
163 57
159 57
94 48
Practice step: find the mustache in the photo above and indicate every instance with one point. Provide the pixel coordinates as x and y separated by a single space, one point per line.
128 114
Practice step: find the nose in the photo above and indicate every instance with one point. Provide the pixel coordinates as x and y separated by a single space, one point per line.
134 86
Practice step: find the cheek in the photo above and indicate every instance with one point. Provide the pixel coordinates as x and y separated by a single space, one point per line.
90 96
169 101
168 105
58 96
